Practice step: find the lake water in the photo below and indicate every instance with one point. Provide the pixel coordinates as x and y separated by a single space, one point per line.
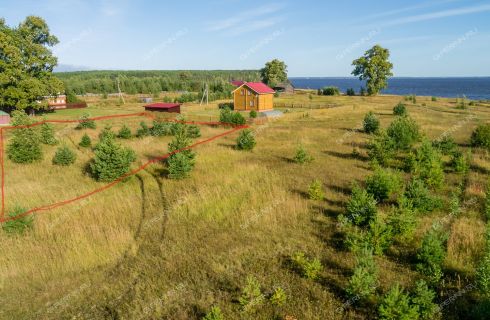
472 88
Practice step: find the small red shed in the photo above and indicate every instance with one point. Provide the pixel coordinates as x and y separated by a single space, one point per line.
4 117
163 107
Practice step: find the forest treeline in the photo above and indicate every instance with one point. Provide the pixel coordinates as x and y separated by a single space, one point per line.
154 82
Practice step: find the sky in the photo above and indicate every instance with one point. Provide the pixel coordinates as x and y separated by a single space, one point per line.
315 38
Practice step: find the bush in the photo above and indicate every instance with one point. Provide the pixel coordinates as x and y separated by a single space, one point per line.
225 115
380 236
404 132
47 134
107 133
483 269
364 280
481 136
124 132
251 295
487 203
309 268
370 123
238 119
19 225
85 141
315 190
460 162
381 149
426 164
350 92
361 207
159 129
64 156
278 298
417 192
383 183
111 160
330 91
245 140
214 314
445 144
24 146
400 110
302 156
253 114
431 255
143 130
225 105
86 123
423 299
402 219
180 164
396 305
193 131
434 99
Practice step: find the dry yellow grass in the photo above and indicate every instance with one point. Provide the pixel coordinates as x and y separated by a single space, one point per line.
156 248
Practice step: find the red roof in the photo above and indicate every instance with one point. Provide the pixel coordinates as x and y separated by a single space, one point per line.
237 83
259 87
161 105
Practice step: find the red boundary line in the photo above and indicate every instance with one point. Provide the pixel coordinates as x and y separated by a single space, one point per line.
113 183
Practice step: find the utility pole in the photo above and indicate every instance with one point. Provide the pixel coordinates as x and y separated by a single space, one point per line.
205 94
119 90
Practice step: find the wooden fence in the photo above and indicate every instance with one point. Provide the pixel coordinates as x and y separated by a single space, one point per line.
305 105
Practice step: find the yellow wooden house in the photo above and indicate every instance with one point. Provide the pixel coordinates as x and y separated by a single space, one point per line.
253 96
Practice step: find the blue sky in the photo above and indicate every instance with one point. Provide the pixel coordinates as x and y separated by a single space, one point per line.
314 38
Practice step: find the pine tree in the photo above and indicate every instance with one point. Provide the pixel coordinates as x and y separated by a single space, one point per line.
47 134
85 141
315 190
124 132
246 140
24 146
111 160
64 156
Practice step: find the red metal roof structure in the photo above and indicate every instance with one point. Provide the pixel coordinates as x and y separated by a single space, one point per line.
163 107
258 87
237 83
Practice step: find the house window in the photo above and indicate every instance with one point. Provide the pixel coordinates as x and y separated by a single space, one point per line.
251 103
248 92
241 92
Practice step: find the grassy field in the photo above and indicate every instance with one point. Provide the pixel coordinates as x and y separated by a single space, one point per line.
155 248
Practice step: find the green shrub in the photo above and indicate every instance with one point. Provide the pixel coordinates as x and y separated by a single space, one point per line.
445 144
396 305
278 298
364 280
225 115
86 123
423 299
160 129
370 123
107 133
309 268
380 236
434 99
47 134
350 92
64 156
400 110
404 132
460 162
361 207
426 164
315 190
245 140
383 183
302 156
111 160
180 166
19 225
85 141
143 130
402 219
193 131
251 295
483 269
25 145
481 136
238 119
330 91
417 192
487 204
124 132
253 114
214 314
381 148
224 105
431 254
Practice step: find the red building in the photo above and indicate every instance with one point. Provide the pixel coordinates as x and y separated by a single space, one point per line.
163 107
